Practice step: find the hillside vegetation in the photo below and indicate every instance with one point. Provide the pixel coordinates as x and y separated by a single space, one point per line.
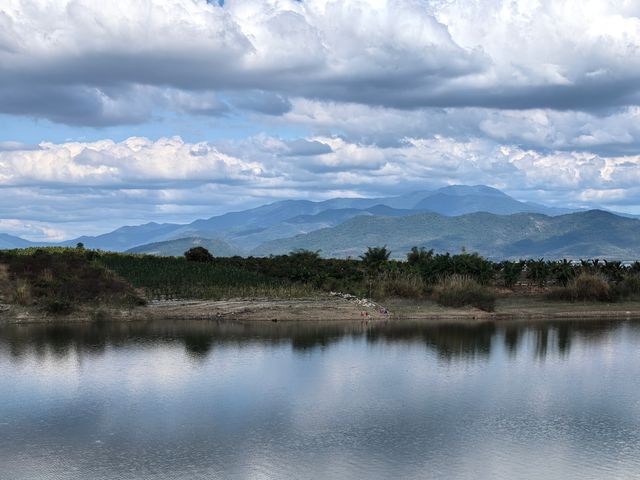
175 248
579 235
59 280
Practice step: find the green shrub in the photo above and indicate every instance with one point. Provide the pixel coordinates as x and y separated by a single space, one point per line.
462 290
511 272
628 288
57 279
587 287
399 284
198 254
58 307
22 293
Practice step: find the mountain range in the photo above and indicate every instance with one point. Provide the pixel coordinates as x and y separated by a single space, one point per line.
478 218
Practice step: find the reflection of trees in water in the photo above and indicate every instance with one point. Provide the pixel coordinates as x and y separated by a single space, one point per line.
563 332
449 341
200 338
559 336
56 340
512 336
541 336
317 338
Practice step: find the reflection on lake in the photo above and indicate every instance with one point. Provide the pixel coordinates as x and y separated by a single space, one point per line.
340 400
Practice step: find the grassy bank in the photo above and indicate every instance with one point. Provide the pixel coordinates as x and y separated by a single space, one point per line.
57 280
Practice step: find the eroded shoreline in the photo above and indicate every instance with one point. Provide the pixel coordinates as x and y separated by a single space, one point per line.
330 308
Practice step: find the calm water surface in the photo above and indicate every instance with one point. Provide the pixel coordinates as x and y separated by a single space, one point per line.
180 400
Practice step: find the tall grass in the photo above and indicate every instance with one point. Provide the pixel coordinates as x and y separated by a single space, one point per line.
586 287
22 293
57 280
463 290
628 288
399 284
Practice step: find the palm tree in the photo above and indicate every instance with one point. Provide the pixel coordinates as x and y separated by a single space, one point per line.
538 271
563 271
419 255
511 272
374 260
614 270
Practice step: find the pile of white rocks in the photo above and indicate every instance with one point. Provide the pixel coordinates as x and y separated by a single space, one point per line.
361 302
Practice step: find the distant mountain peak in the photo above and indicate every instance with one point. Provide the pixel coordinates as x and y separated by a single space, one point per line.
461 190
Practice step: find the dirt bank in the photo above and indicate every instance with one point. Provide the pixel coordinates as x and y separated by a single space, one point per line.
303 309
331 308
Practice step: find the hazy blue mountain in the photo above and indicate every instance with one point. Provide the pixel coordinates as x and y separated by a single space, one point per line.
263 216
461 199
340 215
176 248
249 228
307 223
583 234
333 217
125 237
11 241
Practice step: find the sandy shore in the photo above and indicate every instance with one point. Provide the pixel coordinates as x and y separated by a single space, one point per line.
332 308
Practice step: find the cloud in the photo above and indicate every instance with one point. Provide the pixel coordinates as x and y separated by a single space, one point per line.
613 132
129 164
302 147
82 62
262 102
326 162
281 99
10 146
106 184
37 231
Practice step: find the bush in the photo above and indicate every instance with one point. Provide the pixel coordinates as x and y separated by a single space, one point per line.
58 279
511 272
22 293
58 307
399 284
198 254
628 288
462 290
587 287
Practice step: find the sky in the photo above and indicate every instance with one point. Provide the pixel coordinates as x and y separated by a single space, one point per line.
121 112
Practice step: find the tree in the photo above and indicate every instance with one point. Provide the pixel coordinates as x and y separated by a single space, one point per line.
305 256
305 266
80 246
198 254
511 272
375 258
614 270
538 271
418 256
373 261
563 271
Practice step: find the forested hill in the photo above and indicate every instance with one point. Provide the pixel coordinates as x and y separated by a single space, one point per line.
594 233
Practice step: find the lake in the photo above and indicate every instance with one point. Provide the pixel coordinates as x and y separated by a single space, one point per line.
183 400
